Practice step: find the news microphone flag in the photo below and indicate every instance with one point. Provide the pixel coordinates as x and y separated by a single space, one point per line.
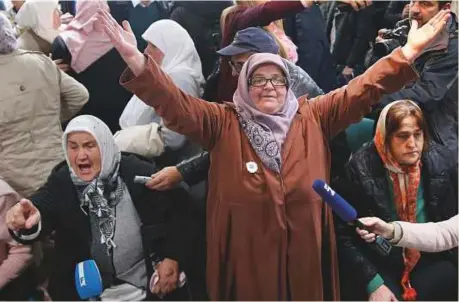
88 281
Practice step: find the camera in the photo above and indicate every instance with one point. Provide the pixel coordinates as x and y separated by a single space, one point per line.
392 39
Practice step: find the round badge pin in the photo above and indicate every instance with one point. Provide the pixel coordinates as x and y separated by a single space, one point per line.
252 167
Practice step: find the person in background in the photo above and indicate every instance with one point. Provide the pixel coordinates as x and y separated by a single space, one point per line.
11 15
36 96
92 61
307 30
143 131
201 19
435 91
350 35
426 237
120 9
15 258
128 230
240 16
41 21
396 11
145 13
401 175
270 146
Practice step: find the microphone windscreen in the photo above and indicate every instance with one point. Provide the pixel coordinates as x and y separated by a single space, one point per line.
88 281
340 206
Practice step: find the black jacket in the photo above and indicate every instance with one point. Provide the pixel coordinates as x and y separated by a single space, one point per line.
435 91
165 227
201 19
307 31
354 32
107 98
366 188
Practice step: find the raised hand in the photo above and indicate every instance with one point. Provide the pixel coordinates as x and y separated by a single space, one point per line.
123 39
420 38
24 215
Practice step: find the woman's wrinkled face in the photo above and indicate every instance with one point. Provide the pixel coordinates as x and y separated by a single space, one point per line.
84 155
155 53
268 88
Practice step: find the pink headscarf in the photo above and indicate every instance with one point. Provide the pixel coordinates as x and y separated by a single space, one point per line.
266 132
85 44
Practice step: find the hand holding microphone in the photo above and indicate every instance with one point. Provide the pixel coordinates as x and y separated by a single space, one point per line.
347 213
373 227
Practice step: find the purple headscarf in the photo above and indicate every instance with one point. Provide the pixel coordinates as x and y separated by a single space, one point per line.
8 42
266 132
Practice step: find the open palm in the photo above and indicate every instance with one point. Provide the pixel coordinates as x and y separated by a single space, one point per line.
122 38
420 38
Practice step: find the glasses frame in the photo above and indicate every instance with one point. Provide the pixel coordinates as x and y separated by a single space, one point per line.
266 80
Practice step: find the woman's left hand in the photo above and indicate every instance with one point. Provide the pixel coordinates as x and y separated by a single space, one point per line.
168 273
420 38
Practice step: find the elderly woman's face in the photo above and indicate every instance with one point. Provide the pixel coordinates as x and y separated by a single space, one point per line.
268 88
84 155
155 53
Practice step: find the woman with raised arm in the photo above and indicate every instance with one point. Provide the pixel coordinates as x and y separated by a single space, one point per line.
269 236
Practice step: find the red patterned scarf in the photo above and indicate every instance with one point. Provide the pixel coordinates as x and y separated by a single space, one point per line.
405 181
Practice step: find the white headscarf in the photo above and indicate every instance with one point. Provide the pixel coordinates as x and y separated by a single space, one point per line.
109 153
181 62
102 193
38 16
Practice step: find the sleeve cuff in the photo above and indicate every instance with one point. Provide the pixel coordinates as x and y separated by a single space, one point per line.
398 233
374 284
29 234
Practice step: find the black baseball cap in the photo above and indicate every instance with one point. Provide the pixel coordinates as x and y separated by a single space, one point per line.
254 39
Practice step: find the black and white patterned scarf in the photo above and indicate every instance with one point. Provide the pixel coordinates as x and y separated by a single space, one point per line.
101 195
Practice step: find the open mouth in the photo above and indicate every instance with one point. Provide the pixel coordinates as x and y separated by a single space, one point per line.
85 168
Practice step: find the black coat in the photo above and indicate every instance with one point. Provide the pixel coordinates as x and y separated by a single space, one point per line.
307 31
201 19
366 188
107 98
165 228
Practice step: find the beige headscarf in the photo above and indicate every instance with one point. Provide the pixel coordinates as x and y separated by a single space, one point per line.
37 15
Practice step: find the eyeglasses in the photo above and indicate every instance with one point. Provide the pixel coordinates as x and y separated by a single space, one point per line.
261 81
237 66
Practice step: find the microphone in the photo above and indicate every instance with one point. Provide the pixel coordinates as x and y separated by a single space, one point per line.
347 213
88 281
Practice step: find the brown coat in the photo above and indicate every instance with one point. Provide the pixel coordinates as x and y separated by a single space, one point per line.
268 238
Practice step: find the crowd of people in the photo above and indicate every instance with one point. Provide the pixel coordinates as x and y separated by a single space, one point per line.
230 110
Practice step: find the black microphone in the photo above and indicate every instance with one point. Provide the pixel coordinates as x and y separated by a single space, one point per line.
347 213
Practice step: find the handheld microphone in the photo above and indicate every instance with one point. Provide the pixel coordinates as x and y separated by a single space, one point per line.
141 179
88 281
347 213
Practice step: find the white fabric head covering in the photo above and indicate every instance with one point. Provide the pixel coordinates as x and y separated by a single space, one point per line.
109 153
181 60
38 16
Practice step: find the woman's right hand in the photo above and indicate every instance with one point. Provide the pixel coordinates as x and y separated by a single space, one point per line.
375 226
166 179
123 39
23 215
